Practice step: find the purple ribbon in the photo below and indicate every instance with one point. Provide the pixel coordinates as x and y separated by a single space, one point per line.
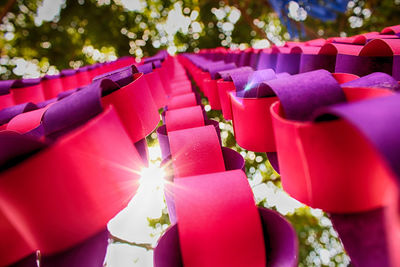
122 76
67 72
396 67
156 64
66 93
310 62
16 147
235 58
160 56
253 88
215 68
363 236
254 59
267 61
89 253
211 65
52 77
238 76
282 75
289 63
6 114
5 86
244 59
25 83
301 94
377 79
45 103
362 65
145 68
71 112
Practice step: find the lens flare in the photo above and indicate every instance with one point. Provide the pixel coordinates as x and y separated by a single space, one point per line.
132 223
248 86
152 177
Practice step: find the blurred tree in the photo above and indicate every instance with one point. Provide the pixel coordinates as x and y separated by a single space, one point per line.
43 36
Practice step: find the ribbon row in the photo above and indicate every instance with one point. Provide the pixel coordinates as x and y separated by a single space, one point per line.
331 136
41 90
70 165
215 221
360 55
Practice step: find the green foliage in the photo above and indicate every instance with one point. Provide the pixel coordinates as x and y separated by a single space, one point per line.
158 222
86 31
362 16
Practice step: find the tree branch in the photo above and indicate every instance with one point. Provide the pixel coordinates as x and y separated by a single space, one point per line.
142 245
6 8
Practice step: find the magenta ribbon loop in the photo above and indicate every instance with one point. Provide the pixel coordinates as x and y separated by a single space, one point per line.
383 113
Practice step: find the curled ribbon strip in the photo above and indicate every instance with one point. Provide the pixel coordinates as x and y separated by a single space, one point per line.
135 96
182 101
382 112
178 119
6 114
164 141
196 145
47 224
225 204
88 241
191 148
